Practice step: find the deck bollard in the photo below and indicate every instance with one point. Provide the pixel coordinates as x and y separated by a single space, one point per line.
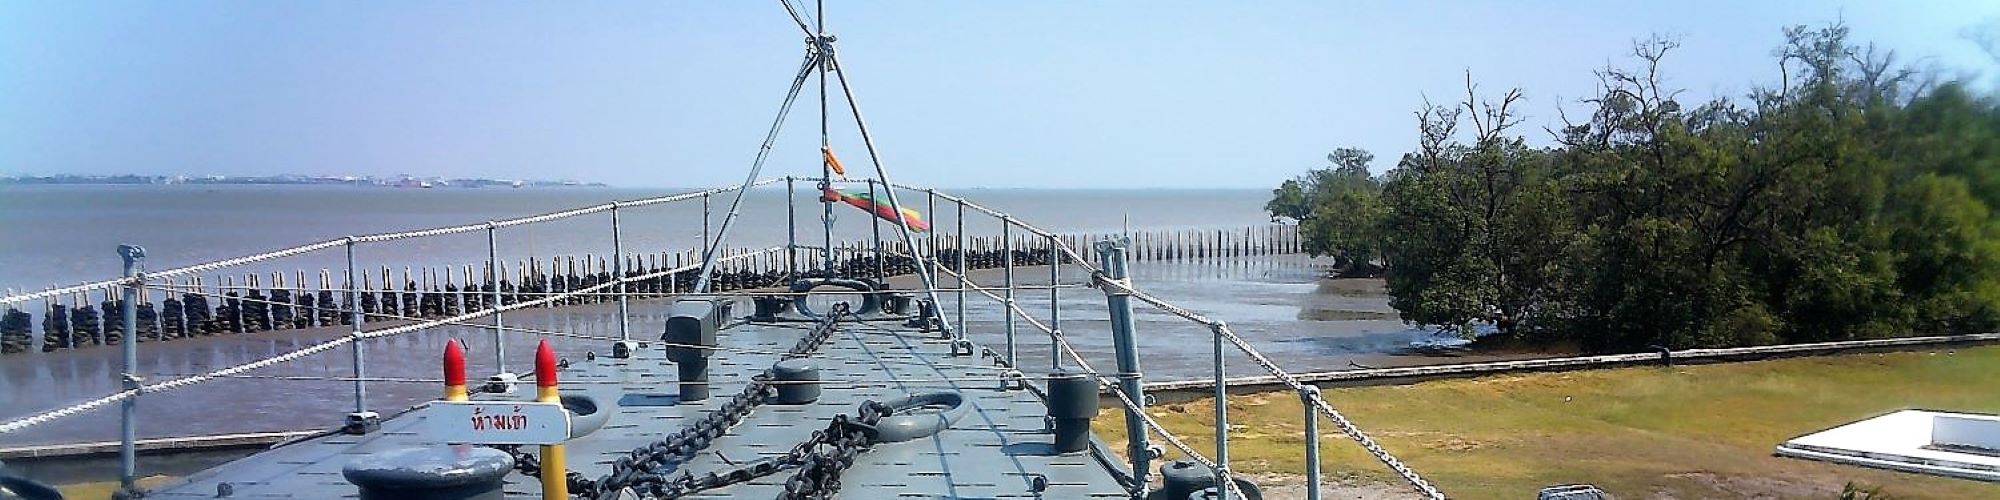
797 381
690 334
555 470
1072 403
428 473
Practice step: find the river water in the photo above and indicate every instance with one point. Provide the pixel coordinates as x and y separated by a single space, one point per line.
60 235
63 234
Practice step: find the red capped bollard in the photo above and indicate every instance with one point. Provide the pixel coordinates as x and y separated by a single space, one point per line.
454 371
555 470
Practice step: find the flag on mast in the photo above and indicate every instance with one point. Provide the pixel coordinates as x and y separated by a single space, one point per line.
832 162
862 200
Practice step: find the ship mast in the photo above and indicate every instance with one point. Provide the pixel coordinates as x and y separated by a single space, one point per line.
820 56
823 44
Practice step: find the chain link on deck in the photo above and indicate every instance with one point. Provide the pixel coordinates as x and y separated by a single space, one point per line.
830 452
636 470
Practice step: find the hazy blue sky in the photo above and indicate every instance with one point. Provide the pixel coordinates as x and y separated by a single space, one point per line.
1101 94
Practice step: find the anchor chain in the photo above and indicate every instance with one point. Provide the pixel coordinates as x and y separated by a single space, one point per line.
820 460
830 452
635 470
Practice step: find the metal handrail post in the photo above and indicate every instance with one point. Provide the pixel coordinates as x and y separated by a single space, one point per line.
791 227
1307 395
705 215
493 276
1111 254
826 206
128 461
930 237
618 273
360 373
875 234
1055 305
963 273
1221 417
1007 247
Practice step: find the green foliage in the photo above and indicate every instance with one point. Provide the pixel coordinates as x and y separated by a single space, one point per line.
1289 201
1338 207
1850 201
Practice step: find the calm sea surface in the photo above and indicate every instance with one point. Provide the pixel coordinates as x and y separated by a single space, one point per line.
58 235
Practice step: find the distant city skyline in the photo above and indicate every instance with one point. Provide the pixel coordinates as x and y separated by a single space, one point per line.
642 94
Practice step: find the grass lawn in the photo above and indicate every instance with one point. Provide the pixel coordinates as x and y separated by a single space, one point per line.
1687 432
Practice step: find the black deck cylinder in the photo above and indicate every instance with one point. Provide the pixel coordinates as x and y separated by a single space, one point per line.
797 382
1073 402
693 378
440 473
769 307
692 323
1190 480
895 303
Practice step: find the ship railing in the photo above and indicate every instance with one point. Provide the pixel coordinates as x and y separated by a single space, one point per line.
135 281
365 334
1109 277
1061 250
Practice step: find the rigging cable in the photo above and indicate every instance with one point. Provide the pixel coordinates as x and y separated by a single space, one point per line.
756 166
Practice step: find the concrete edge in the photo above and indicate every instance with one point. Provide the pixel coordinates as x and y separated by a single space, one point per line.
1181 390
176 444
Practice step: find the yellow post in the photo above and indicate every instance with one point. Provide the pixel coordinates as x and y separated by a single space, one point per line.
555 470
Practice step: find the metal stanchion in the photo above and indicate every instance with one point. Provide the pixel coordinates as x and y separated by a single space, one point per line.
1111 254
362 420
1221 414
791 228
618 272
501 377
875 232
128 461
1307 395
963 273
1007 247
1055 305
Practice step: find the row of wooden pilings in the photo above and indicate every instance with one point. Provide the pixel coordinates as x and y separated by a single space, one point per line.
219 305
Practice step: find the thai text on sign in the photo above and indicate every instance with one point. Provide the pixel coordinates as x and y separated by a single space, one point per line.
498 422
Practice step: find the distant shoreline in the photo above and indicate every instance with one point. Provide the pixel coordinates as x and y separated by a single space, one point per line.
404 181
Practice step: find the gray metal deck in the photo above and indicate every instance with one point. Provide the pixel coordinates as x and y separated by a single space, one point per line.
995 451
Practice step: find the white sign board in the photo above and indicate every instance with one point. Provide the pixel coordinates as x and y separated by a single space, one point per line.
498 422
